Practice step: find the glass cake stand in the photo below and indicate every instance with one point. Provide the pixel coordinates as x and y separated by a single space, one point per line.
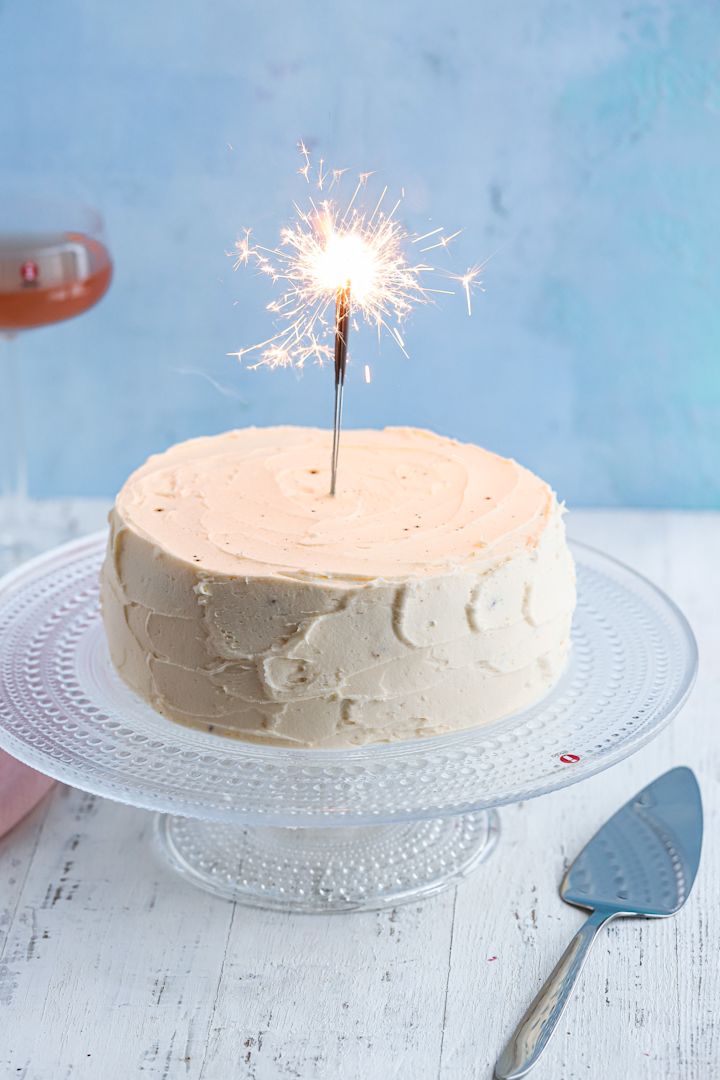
327 830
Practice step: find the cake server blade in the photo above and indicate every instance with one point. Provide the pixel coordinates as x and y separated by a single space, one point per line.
643 861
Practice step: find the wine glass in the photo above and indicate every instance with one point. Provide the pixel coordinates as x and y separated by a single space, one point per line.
54 265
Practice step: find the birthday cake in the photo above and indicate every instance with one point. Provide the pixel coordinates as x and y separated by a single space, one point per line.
433 592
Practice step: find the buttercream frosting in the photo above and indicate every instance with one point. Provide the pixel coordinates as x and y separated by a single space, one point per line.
433 592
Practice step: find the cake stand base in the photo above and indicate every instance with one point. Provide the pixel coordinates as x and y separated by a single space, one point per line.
330 869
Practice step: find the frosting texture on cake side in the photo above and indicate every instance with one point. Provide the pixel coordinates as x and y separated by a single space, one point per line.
434 592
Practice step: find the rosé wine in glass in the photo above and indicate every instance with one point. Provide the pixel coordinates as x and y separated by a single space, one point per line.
48 278
54 265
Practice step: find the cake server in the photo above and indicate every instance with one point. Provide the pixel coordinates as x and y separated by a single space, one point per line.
642 862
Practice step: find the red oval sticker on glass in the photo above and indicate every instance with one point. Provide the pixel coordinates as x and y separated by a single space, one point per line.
569 759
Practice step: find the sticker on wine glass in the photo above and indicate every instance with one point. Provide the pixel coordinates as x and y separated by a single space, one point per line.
29 272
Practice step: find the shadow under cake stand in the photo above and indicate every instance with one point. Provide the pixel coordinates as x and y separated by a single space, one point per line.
327 830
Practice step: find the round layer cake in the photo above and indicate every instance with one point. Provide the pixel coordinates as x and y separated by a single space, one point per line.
433 592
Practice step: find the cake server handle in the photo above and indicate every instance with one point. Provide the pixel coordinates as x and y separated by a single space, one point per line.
537 1025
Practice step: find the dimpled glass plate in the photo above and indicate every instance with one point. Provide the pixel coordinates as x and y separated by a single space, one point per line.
270 823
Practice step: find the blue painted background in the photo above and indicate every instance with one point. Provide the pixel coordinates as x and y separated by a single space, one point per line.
578 143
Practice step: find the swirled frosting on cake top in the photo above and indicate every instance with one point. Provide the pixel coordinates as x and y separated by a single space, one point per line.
433 592
410 503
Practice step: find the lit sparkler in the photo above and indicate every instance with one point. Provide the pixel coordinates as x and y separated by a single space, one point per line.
335 261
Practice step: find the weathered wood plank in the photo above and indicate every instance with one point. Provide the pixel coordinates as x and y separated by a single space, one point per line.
335 996
112 958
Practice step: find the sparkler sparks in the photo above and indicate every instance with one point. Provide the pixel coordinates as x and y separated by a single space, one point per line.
469 281
335 262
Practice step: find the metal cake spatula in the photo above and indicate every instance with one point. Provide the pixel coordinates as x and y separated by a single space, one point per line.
642 862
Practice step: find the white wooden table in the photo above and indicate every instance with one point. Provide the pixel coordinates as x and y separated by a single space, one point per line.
111 967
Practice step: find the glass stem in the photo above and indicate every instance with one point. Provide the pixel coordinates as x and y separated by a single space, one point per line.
13 471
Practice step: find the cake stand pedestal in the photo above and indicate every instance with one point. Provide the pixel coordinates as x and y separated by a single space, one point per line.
327 830
328 869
